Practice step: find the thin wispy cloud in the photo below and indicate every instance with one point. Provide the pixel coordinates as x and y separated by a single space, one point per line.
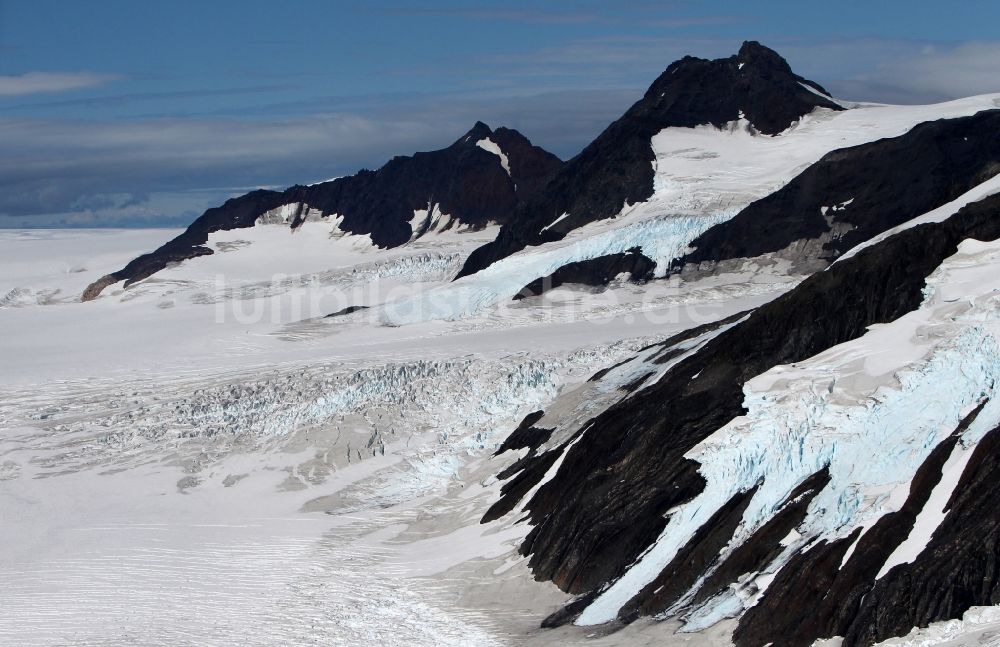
537 16
63 166
132 97
17 85
214 102
881 70
898 71
54 166
612 59
58 166
939 71
698 21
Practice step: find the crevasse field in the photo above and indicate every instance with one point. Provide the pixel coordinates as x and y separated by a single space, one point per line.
202 460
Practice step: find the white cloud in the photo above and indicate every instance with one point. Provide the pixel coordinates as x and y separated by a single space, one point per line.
873 69
896 71
17 85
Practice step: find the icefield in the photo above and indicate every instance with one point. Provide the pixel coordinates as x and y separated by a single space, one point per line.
292 441
197 478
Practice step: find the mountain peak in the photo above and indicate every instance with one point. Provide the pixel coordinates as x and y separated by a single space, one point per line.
478 131
756 83
753 52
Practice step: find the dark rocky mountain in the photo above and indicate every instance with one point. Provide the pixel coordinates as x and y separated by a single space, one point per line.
853 194
465 181
623 471
617 166
847 197
594 272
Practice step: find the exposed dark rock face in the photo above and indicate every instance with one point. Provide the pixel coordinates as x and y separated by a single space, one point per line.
835 591
609 499
346 311
959 569
765 544
526 473
692 560
570 611
863 190
839 596
94 289
594 272
526 435
617 166
236 213
531 167
700 553
464 180
528 470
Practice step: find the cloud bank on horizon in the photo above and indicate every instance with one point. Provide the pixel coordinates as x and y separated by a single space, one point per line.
127 115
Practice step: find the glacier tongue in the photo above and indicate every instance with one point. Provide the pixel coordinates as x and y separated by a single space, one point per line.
870 410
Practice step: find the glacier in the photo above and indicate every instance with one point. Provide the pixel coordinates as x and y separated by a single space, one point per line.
281 477
870 410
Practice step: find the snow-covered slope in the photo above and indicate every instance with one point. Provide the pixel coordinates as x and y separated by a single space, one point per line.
615 169
832 472
868 411
704 176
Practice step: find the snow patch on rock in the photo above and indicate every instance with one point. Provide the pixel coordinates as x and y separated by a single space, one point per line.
286 214
491 146
429 220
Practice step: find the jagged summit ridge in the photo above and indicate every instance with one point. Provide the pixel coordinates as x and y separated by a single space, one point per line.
756 84
498 176
477 180
478 131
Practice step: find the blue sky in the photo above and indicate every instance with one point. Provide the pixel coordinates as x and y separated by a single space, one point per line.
145 113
